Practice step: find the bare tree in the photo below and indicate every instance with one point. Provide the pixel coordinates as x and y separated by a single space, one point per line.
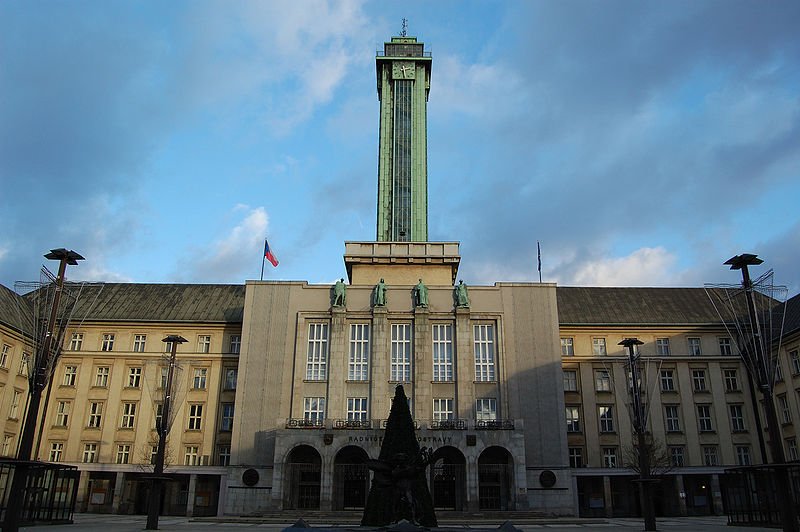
659 461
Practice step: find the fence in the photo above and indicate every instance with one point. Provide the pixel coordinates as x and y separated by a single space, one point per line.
50 492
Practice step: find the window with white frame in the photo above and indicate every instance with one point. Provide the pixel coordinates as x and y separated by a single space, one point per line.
710 455
599 347
191 455
235 345
694 346
195 416
570 380
108 342
667 380
662 346
101 376
123 453
357 409
602 380
573 415
484 352
737 418
134 377
778 370
164 377
725 347
204 343
743 455
56 451
567 347
169 345
575 457
731 377
400 370
442 352
95 415
791 447
128 420
138 343
231 376
14 410
153 454
200 378
223 455
672 419
358 368
23 363
486 409
76 342
676 453
609 457
89 453
704 421
4 355
70 375
314 409
7 446
783 406
699 380
442 409
317 357
605 414
226 417
159 416
795 359
62 413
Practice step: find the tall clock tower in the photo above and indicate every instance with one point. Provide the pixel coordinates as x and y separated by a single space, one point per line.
404 80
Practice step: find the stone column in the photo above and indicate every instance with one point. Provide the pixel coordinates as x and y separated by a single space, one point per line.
472 484
191 495
82 502
338 360
222 498
422 366
119 486
326 485
380 352
681 496
608 500
716 495
464 360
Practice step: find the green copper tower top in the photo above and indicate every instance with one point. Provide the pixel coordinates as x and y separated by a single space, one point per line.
404 79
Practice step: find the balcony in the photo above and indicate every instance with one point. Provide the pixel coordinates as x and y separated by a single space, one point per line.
494 424
447 424
352 424
293 423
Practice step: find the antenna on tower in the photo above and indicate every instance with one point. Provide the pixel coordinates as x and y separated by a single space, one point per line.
404 31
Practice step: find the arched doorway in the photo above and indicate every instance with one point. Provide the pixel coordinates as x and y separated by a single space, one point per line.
350 478
448 479
495 479
303 476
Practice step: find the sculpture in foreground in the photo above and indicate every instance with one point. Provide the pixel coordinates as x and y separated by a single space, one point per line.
399 490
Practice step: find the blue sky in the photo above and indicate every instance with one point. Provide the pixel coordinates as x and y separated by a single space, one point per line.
643 143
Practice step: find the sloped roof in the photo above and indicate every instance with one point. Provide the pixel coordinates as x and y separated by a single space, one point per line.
792 323
634 306
211 303
15 311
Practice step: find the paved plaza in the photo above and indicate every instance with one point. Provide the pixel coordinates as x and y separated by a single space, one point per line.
131 523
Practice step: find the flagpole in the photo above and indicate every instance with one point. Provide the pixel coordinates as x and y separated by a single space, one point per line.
539 260
263 258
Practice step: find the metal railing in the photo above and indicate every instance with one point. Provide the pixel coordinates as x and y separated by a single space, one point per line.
294 423
357 424
494 424
447 424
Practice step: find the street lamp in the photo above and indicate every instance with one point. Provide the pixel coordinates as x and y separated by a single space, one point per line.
154 504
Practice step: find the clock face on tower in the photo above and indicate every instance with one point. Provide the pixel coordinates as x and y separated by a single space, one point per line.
403 70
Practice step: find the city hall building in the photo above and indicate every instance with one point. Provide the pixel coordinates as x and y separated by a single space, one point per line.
283 387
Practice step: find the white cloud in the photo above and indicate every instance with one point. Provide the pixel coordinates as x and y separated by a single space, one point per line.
643 267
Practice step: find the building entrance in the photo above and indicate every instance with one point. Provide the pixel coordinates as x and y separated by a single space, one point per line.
495 470
448 479
303 478
350 479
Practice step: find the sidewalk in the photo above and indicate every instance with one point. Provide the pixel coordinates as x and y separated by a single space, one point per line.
131 523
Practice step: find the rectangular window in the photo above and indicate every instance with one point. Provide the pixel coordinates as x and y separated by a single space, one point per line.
795 358
778 371
62 413
443 353
223 455
14 410
725 347
791 446
602 380
567 347
231 376
743 455
226 419
699 380
95 415
731 377
153 454
138 343
609 457
56 451
606 416
676 456
23 364
570 380
89 453
76 342
599 347
134 377
164 377
576 457
358 369
710 455
101 377
200 377
235 346
8 440
694 347
314 409
442 409
128 416
667 380
159 416
195 416
317 361
169 345
123 453
662 346
783 406
486 409
70 375
737 418
573 414
401 352
484 352
357 409
704 418
4 356
108 342
672 418
191 455
204 343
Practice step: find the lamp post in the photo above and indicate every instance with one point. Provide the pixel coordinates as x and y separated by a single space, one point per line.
782 484
639 425
154 502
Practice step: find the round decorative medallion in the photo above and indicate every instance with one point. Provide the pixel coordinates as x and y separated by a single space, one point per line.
250 477
547 479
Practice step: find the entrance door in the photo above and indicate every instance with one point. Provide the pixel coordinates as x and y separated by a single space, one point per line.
447 481
350 479
303 476
495 467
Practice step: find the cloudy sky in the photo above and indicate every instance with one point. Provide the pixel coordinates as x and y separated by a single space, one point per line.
643 143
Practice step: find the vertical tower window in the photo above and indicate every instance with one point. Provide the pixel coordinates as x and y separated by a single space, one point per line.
484 352
401 352
443 352
401 168
316 365
358 369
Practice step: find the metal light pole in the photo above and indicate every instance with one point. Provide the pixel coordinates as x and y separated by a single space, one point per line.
639 425
16 499
783 486
154 502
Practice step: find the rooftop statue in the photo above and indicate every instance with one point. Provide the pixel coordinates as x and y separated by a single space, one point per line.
339 294
462 297
421 293
380 294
